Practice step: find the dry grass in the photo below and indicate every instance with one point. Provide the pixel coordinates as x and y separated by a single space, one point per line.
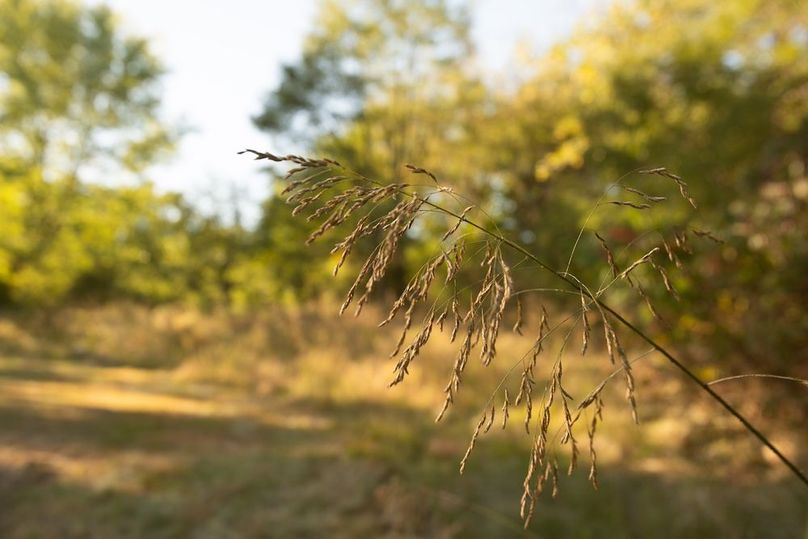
127 445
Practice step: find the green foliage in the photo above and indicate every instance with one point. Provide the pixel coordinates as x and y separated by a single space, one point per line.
359 53
78 98
709 90
713 91
74 95
74 92
379 84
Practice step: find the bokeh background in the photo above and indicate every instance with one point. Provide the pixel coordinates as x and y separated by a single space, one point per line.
171 362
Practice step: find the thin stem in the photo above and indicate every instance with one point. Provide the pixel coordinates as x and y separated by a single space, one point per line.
592 212
773 376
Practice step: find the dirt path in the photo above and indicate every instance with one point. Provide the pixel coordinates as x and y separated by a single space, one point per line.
93 451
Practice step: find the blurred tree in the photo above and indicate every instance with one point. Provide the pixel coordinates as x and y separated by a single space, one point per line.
75 96
74 91
363 51
379 84
715 91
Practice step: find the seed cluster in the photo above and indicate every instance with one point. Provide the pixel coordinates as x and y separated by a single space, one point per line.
334 195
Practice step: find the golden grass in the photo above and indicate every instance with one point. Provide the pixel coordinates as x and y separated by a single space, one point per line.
251 423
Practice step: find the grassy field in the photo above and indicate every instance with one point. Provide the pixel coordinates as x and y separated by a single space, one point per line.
124 422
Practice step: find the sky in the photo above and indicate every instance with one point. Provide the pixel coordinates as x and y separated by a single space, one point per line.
223 56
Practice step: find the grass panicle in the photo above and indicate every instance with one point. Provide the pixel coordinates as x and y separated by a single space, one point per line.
335 196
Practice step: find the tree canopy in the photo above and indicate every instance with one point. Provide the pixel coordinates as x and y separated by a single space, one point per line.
715 92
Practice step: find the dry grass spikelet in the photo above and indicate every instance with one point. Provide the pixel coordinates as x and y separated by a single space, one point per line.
470 448
506 404
587 329
609 256
662 171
